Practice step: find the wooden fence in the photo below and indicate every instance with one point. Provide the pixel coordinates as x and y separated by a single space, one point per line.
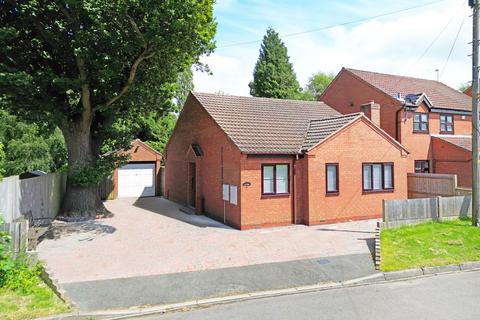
414 211
430 185
36 199
18 231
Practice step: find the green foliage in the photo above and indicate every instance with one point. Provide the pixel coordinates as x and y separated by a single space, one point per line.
317 83
90 66
273 76
2 161
29 146
464 86
429 244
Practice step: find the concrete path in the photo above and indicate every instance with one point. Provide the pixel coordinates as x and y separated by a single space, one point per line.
186 286
442 297
150 252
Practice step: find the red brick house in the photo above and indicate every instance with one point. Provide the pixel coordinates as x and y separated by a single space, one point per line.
421 114
257 162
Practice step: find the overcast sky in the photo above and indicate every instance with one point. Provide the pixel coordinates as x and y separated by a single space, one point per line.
390 44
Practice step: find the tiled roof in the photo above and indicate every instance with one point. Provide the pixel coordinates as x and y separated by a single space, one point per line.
318 130
263 125
441 95
464 142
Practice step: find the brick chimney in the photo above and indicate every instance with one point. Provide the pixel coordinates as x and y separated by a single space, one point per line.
372 111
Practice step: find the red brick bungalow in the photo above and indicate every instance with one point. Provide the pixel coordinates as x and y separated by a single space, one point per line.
414 111
257 162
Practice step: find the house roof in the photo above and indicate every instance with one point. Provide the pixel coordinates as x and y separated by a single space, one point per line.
264 125
319 130
440 95
464 142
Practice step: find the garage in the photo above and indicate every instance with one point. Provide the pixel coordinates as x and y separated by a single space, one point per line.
136 180
140 177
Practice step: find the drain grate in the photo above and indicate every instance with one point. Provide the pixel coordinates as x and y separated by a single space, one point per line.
323 261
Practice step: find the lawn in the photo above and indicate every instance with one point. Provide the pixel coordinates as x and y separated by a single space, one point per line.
37 302
429 244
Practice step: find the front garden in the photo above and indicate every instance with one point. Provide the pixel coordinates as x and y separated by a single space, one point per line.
23 294
429 244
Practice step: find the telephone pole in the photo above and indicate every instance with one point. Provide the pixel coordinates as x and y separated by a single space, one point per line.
475 5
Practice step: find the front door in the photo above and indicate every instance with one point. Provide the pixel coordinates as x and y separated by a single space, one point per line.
193 184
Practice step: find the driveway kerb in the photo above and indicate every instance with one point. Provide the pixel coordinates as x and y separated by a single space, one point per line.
363 281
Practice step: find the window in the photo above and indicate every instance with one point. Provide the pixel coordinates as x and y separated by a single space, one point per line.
446 123
422 166
420 122
331 178
377 177
275 178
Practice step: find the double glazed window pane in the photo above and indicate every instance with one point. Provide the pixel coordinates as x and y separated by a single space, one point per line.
367 177
332 183
268 179
388 176
282 178
377 177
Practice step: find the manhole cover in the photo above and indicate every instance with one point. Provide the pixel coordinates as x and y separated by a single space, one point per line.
323 261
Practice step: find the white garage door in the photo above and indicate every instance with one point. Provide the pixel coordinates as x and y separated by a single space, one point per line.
136 180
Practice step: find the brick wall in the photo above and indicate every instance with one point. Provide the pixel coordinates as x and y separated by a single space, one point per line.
347 93
264 210
350 148
196 126
453 160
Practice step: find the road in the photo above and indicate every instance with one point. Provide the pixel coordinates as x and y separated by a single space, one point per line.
453 296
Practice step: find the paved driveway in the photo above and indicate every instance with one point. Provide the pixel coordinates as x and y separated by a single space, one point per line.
151 236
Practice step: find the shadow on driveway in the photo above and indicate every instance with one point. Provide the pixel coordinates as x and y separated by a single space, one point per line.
158 206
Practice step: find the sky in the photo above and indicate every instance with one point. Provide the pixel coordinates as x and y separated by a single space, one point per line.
410 43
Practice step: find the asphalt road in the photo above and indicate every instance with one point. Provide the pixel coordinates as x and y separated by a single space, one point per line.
453 296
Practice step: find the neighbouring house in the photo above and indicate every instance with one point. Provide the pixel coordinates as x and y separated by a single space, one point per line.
140 177
419 113
257 162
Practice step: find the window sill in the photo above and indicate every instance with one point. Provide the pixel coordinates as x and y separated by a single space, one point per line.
275 195
447 132
332 194
378 191
421 132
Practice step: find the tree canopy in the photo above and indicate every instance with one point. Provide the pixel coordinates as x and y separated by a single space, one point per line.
273 76
89 66
317 83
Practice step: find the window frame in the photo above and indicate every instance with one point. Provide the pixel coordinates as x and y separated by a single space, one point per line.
274 165
446 123
420 123
383 189
422 166
337 178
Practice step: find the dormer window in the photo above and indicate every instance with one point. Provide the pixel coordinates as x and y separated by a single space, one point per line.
446 123
420 122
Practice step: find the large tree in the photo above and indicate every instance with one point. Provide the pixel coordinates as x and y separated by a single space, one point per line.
273 76
89 65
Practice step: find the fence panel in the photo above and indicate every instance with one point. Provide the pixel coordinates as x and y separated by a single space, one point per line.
430 185
403 212
19 232
37 199
454 207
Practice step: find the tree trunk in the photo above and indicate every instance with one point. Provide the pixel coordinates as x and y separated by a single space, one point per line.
80 201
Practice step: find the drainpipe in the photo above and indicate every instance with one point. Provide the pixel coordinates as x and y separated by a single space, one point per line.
224 202
294 176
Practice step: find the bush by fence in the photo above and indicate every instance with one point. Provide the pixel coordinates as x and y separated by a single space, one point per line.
414 211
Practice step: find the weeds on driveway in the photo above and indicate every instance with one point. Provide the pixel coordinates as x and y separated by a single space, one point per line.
429 244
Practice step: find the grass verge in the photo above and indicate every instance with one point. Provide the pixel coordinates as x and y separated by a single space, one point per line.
429 244
38 301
